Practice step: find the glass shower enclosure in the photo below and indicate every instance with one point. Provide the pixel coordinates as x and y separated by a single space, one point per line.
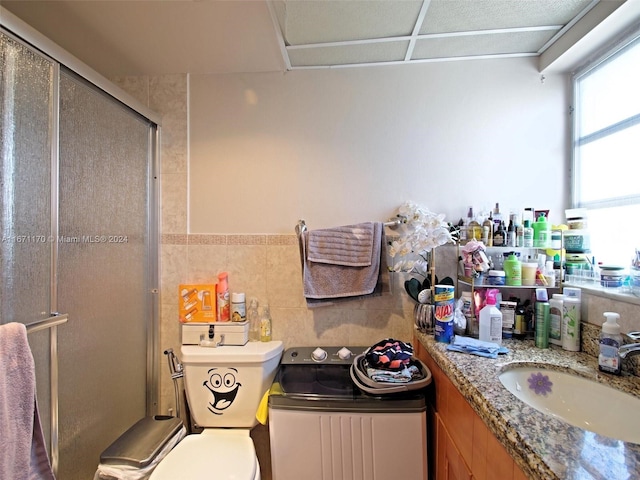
78 229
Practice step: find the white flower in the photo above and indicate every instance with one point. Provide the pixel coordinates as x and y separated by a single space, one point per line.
425 230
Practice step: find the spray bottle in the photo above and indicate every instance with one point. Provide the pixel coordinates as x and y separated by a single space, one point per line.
491 319
222 297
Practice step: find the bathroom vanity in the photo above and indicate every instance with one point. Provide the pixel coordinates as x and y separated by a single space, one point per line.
483 431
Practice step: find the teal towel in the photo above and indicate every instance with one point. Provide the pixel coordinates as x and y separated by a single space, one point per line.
476 347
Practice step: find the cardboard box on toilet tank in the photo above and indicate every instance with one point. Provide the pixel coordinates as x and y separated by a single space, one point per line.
197 303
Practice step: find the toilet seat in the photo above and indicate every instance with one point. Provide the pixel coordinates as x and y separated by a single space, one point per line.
215 454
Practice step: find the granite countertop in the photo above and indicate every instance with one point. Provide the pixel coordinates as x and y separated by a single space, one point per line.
543 446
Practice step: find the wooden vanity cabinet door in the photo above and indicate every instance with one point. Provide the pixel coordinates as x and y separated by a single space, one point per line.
465 447
449 463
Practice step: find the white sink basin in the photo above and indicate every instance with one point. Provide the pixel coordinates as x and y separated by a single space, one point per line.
577 401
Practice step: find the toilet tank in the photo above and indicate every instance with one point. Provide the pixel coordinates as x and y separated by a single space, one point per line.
224 385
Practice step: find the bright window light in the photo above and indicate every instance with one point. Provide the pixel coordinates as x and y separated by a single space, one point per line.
606 151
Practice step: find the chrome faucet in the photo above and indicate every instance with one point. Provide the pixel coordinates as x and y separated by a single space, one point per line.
630 349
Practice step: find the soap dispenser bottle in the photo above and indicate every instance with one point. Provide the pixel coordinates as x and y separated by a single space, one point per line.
610 343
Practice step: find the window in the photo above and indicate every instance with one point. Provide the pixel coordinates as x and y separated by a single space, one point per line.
606 151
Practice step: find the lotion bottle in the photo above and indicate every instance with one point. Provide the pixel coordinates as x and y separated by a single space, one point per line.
491 320
610 343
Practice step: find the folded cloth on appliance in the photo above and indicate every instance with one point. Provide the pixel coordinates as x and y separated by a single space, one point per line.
351 245
476 347
23 455
389 354
332 281
405 375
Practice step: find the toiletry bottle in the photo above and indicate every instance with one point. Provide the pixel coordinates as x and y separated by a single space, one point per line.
511 234
610 342
474 230
491 320
487 231
555 318
238 307
222 297
265 325
570 322
541 232
527 234
253 316
513 271
497 217
500 236
542 325
520 326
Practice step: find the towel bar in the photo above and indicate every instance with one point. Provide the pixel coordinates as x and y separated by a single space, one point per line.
52 323
391 223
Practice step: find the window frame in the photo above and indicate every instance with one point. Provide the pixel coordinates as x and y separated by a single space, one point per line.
629 39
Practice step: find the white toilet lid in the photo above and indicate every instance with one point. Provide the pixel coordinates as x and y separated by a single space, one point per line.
212 455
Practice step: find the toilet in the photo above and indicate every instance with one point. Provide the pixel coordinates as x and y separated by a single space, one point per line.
224 386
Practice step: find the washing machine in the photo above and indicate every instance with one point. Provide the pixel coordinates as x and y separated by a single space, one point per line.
322 426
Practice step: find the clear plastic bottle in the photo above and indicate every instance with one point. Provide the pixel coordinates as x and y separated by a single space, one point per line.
265 324
490 320
253 315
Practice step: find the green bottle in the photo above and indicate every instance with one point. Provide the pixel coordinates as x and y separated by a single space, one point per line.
541 232
513 271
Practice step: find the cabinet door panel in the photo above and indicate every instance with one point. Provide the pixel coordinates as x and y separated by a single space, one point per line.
449 463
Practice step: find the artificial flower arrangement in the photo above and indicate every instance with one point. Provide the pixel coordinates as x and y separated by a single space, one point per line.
423 231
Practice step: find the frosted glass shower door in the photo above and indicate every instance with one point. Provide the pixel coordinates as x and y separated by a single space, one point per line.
104 263
27 129
26 110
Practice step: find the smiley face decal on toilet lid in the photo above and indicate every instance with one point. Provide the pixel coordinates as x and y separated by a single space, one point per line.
224 386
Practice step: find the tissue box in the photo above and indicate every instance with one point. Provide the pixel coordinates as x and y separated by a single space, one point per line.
197 303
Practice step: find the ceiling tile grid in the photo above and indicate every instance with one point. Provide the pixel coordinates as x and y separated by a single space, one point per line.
333 33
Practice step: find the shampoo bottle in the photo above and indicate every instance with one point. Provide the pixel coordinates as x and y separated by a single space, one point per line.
491 320
610 342
513 271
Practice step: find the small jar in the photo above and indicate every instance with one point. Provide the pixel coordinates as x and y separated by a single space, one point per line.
238 307
611 276
496 277
577 223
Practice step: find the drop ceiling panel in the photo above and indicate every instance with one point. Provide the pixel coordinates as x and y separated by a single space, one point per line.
349 54
464 15
351 32
321 21
477 45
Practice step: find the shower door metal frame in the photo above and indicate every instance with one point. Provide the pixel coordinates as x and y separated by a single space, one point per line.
22 32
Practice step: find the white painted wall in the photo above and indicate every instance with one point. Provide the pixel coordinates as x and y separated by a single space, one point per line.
347 145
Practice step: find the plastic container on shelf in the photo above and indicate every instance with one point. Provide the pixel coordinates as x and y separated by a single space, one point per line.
496 277
529 273
491 320
577 241
513 271
611 276
541 232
